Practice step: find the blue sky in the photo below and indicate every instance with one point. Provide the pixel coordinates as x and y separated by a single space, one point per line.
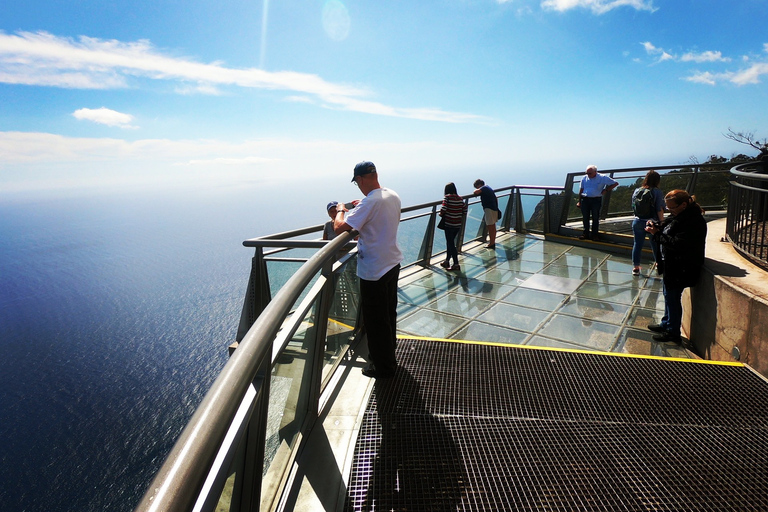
161 92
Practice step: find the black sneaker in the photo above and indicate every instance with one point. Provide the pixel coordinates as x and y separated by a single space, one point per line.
667 337
656 328
373 373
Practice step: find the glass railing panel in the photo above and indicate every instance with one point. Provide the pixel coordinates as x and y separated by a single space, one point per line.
342 316
280 271
474 219
410 236
621 197
712 189
533 211
290 385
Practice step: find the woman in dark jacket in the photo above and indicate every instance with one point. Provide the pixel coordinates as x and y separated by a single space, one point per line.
682 237
452 211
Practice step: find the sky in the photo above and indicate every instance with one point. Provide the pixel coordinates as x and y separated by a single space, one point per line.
153 93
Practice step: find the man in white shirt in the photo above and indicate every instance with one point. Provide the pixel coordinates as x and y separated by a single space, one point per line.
376 218
591 191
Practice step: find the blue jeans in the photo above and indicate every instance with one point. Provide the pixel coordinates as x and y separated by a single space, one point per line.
673 309
450 245
590 207
638 228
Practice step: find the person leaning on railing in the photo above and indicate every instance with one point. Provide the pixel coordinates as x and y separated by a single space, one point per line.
682 237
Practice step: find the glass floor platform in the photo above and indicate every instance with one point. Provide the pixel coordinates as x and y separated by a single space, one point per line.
528 291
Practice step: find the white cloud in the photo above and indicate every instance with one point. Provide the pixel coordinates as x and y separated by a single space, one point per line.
751 75
105 116
598 6
708 56
43 59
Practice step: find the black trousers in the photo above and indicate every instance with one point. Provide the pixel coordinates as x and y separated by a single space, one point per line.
590 207
379 307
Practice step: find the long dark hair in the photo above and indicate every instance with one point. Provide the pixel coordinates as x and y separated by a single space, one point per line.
450 188
652 180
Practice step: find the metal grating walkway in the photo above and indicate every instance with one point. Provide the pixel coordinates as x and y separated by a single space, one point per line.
467 426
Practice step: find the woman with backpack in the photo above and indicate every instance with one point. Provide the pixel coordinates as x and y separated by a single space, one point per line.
647 204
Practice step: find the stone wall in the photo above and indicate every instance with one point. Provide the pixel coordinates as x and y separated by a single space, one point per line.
726 315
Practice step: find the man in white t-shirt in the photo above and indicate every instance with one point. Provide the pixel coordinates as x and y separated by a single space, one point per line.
376 218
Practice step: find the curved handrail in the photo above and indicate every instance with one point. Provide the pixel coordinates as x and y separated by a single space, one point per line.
176 486
747 222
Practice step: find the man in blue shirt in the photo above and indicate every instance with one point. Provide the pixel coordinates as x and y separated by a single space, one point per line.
593 187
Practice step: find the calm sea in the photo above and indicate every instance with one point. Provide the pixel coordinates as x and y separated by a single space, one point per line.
115 315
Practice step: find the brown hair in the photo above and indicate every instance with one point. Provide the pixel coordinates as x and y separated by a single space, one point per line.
652 179
681 196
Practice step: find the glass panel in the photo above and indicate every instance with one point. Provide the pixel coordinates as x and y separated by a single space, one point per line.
518 317
342 316
433 324
410 236
280 271
490 333
587 333
288 402
712 189
474 220
533 211
596 310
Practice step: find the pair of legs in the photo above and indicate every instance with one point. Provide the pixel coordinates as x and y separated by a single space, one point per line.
491 218
451 253
590 207
638 228
673 310
379 308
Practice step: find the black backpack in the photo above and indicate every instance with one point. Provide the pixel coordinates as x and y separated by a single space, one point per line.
642 204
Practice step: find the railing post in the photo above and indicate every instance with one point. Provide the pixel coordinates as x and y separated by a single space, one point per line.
321 333
519 213
249 498
506 219
692 182
425 254
545 227
257 295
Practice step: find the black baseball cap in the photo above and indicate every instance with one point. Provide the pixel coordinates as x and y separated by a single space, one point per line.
363 168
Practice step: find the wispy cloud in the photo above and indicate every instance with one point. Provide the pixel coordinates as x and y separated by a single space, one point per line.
598 6
105 116
43 59
749 75
708 56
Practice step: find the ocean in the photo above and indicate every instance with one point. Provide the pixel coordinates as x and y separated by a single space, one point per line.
116 311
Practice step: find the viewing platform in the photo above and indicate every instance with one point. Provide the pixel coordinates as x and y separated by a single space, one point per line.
528 379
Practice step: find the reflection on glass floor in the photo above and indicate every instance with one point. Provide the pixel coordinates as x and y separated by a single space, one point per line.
532 292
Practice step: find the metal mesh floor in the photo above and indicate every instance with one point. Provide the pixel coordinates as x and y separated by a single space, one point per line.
480 427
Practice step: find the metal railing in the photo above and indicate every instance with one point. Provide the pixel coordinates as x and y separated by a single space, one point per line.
708 182
293 333
747 221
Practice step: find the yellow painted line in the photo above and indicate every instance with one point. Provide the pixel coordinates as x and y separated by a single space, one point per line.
576 351
341 324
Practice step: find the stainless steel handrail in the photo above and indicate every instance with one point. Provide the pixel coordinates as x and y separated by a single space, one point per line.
177 485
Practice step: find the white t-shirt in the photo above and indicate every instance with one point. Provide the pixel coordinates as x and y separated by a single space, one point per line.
376 218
